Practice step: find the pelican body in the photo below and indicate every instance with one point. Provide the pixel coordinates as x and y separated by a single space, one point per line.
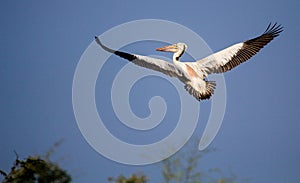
194 74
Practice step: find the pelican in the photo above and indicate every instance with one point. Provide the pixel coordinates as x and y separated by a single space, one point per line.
194 74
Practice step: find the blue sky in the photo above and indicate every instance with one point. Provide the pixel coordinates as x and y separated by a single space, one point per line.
41 44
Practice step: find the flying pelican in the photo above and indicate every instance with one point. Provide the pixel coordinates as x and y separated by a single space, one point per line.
193 74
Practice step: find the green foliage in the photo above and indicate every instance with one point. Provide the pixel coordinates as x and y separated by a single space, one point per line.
134 178
35 170
183 167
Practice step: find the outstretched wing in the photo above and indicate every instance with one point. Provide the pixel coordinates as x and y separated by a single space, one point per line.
148 62
234 55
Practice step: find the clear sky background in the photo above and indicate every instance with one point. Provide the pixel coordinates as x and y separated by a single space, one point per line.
41 44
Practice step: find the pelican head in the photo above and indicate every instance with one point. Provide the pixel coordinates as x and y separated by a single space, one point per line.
178 49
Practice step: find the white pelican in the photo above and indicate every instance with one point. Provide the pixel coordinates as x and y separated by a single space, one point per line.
193 74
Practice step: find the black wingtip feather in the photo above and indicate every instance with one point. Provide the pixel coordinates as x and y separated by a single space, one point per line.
274 30
124 55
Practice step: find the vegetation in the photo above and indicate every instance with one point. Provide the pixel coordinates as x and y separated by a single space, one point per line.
35 169
183 167
134 178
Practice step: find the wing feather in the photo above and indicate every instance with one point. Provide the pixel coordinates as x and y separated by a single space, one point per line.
148 62
234 55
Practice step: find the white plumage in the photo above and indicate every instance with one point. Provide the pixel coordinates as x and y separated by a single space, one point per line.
193 74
